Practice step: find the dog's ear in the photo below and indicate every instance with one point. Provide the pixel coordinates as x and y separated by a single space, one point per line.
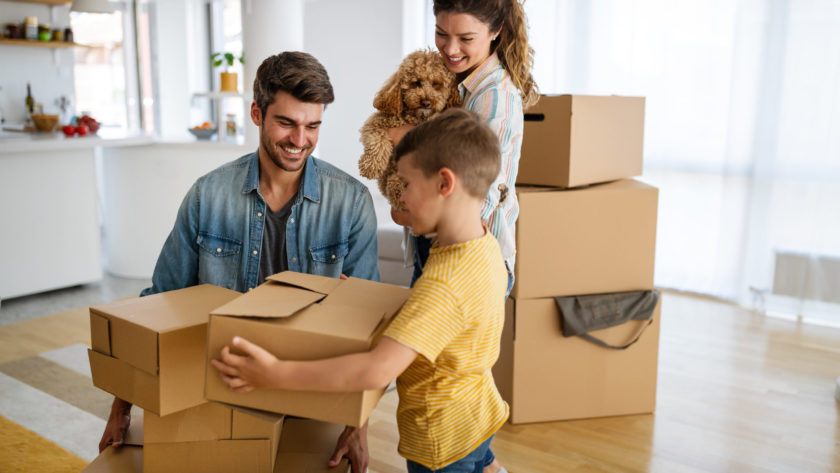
454 96
389 98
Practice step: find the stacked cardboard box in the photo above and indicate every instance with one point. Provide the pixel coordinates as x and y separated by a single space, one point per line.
154 352
585 227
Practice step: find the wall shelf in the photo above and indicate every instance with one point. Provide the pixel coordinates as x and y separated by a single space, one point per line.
44 2
41 44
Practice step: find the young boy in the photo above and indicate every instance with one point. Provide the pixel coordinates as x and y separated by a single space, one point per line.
445 340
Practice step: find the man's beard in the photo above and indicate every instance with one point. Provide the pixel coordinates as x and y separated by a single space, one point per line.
274 155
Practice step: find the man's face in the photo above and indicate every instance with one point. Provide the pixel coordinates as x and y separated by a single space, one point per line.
289 130
420 196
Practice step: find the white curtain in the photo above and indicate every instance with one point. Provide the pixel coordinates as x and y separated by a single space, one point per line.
742 132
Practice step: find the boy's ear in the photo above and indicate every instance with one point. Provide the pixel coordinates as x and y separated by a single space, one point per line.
446 181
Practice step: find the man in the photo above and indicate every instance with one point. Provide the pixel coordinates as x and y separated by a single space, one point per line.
273 210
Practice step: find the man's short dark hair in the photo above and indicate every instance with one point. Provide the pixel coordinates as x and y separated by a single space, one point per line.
297 73
457 139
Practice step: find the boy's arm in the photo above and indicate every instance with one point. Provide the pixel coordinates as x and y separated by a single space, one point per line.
259 369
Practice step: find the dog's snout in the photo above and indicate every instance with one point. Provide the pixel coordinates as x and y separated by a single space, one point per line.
426 103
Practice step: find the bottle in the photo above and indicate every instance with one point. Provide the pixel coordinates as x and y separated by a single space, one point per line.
31 27
30 104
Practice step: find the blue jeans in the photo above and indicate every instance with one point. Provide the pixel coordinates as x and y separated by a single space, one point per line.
421 254
474 462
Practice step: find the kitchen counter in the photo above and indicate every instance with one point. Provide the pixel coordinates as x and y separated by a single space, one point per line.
67 202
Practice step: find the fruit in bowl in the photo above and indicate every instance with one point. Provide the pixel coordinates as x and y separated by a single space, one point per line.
203 131
89 122
69 130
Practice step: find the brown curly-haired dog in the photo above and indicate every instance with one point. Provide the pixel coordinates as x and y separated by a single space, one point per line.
421 88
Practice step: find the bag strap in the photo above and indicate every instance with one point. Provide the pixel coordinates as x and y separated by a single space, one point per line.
604 344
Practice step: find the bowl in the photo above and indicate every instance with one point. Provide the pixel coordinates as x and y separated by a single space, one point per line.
44 122
202 133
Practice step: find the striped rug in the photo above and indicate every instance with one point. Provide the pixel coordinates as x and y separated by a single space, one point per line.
52 417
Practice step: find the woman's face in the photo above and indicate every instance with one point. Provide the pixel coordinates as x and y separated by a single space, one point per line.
463 40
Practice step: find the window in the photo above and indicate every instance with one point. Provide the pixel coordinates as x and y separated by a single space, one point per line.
113 78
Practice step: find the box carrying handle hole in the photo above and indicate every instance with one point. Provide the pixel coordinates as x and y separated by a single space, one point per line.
534 117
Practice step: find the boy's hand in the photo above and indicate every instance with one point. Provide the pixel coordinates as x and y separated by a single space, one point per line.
248 372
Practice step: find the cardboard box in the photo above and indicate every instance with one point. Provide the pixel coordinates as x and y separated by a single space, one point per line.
212 437
575 140
545 376
307 445
151 350
304 317
592 240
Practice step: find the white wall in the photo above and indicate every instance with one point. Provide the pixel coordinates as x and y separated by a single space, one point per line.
360 44
182 60
49 71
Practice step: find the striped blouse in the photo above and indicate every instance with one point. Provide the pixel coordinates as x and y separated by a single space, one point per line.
489 92
448 401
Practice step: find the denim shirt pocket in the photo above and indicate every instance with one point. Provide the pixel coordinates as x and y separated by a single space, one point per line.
327 259
218 260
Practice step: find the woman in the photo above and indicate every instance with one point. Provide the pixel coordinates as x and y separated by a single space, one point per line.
485 44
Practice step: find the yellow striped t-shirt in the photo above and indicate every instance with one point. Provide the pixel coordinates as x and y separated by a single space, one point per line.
448 401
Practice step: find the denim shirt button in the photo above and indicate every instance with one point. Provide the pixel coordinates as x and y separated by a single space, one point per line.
333 256
255 252
294 259
218 250
259 214
291 220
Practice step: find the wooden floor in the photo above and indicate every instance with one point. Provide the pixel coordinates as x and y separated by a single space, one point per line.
737 392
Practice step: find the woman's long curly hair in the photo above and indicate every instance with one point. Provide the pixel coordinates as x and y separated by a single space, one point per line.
507 17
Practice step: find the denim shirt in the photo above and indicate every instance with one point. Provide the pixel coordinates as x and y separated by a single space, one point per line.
217 237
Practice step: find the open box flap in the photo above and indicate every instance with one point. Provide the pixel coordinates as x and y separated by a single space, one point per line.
270 300
321 284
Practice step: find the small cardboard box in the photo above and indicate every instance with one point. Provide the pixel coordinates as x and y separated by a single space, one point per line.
545 376
212 437
306 445
574 140
592 240
151 350
299 316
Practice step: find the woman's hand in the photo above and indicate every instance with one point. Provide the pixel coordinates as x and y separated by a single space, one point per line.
396 134
401 217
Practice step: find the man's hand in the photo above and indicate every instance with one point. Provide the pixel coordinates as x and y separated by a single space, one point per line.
117 424
352 444
248 372
396 134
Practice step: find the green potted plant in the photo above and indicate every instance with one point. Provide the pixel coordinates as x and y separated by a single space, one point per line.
228 78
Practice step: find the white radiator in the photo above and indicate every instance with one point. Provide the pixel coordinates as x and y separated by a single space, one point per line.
806 276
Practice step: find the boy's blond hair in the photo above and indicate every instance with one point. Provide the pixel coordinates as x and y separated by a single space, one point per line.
457 139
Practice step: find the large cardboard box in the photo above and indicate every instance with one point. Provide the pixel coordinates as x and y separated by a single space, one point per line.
545 376
307 445
212 437
304 317
575 140
592 240
151 350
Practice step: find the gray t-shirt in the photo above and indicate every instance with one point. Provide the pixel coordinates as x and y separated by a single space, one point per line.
273 258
